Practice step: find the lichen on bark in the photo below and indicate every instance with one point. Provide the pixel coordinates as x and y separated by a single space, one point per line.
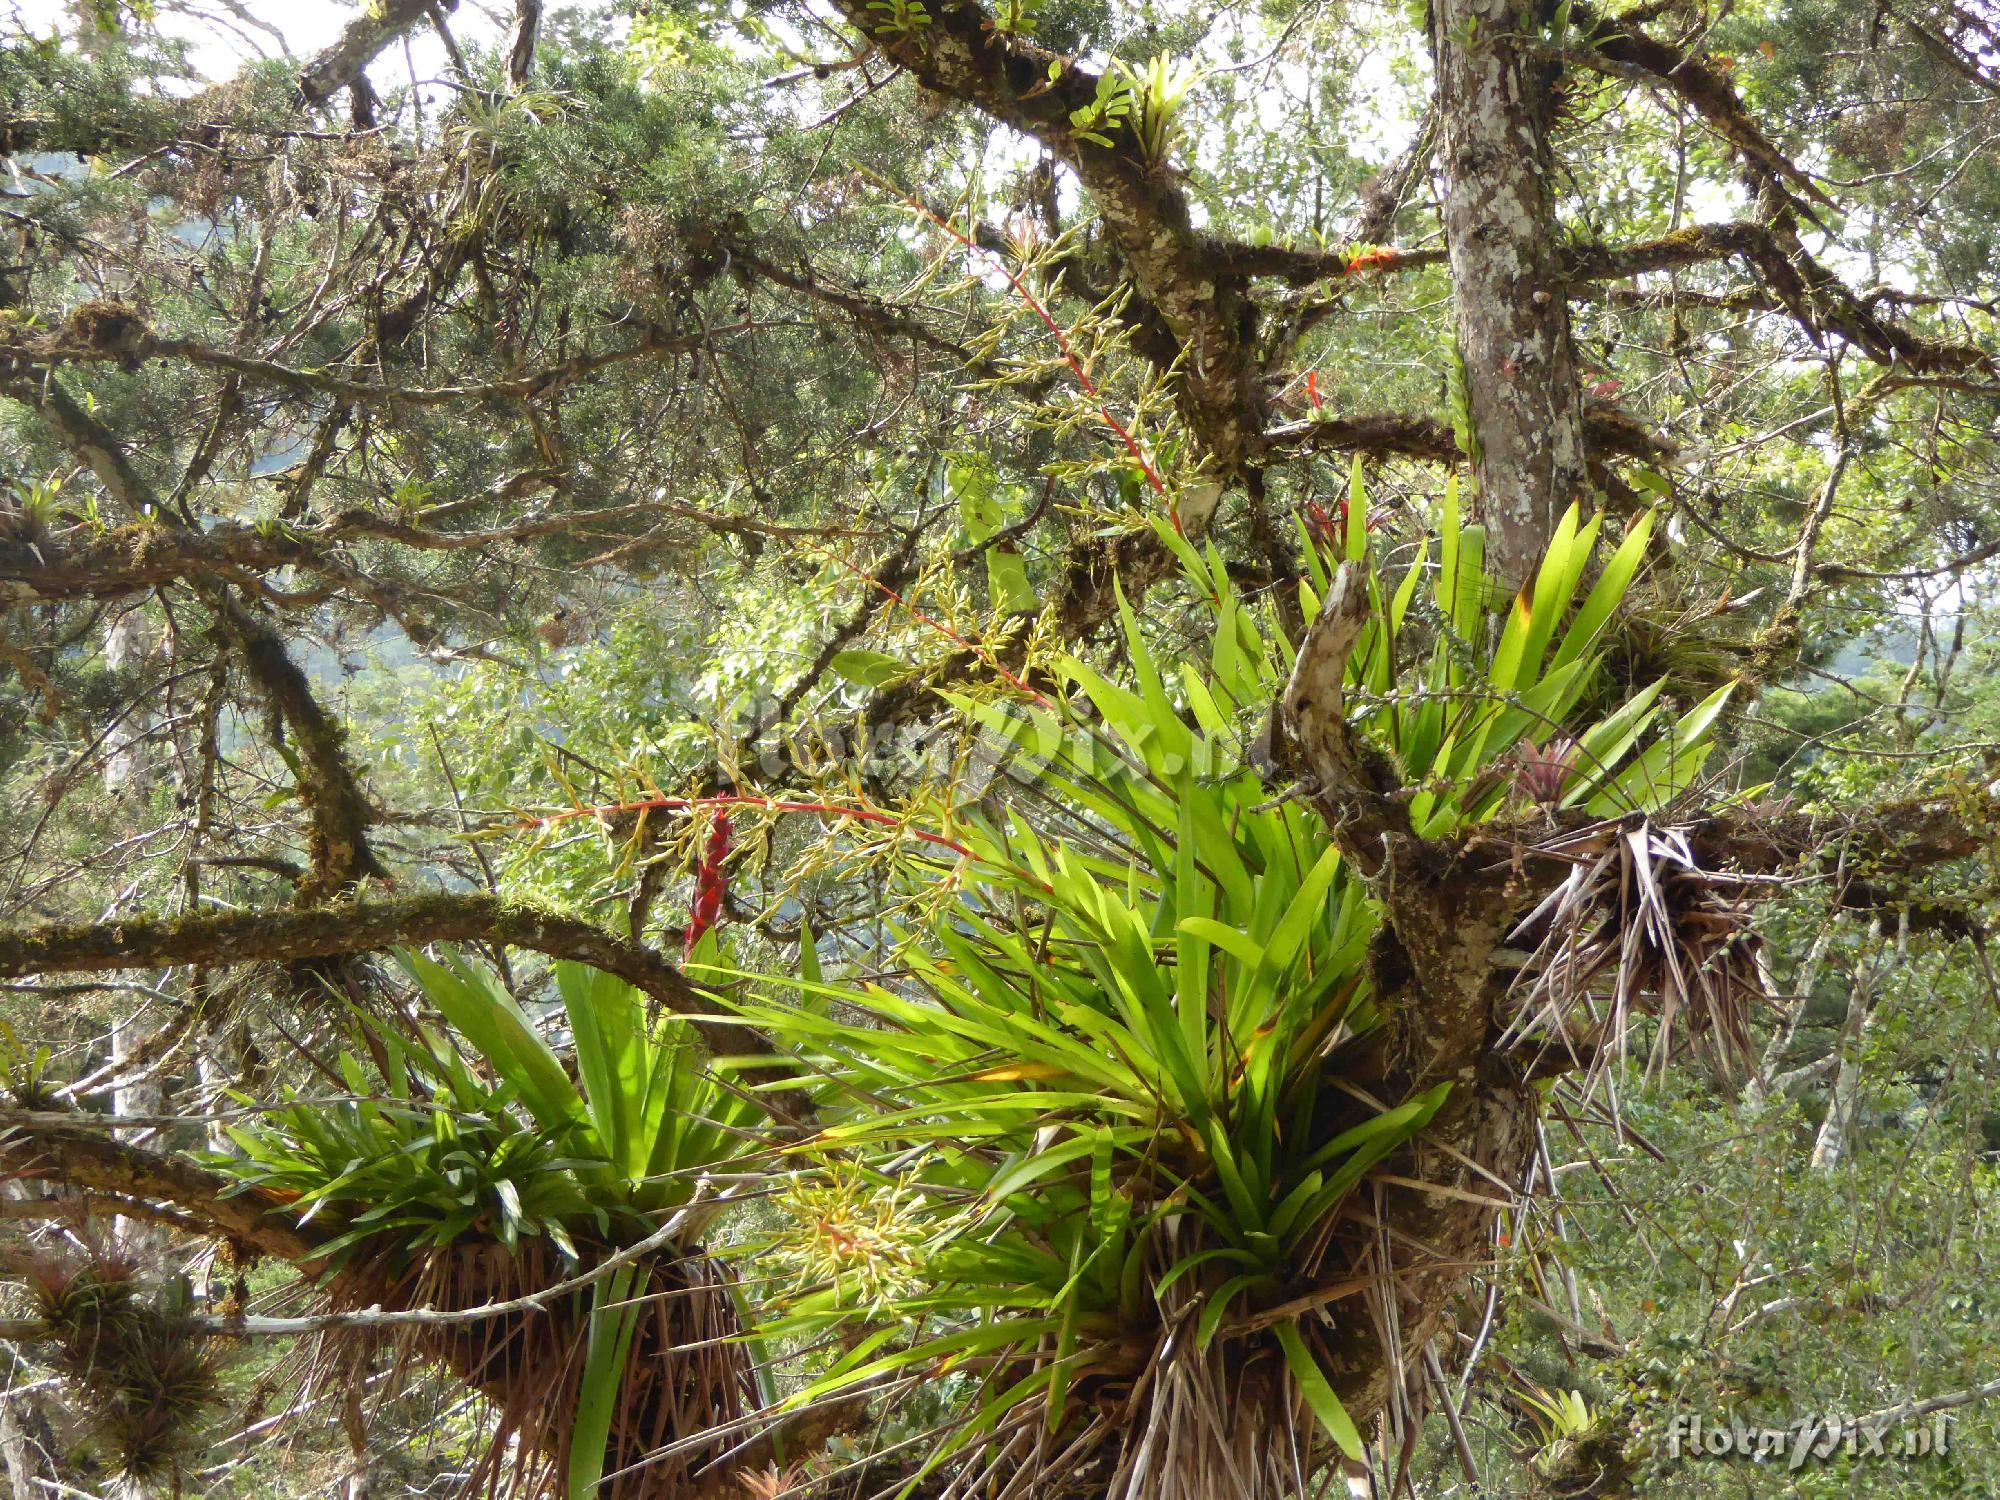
1496 96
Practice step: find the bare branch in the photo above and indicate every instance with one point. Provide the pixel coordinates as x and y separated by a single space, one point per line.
341 64
1621 47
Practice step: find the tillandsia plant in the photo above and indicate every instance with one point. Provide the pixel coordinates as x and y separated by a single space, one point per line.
445 1183
149 1388
1115 1089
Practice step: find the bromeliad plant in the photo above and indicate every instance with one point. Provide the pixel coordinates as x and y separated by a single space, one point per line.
1472 728
1113 1086
449 1183
1100 1153
1102 1091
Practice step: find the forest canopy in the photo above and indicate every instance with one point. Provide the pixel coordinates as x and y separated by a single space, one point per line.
1006 748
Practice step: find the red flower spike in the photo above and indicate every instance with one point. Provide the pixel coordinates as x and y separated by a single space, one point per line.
1322 523
710 882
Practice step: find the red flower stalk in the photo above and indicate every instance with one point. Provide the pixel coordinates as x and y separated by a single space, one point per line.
1312 389
1332 529
710 883
1076 365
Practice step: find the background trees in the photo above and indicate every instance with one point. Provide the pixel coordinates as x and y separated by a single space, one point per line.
608 486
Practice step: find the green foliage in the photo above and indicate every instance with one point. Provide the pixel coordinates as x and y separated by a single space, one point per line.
1104 1092
1455 716
982 509
434 1150
438 1153
1073 1100
1158 91
902 17
1111 106
428 1155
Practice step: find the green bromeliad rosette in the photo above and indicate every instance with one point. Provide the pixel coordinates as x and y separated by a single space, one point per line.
1105 1086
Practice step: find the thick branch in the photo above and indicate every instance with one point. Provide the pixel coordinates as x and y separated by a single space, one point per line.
1900 838
380 23
1618 46
41 1148
964 53
338 810
1817 299
85 436
1607 433
365 926
1351 791
1302 267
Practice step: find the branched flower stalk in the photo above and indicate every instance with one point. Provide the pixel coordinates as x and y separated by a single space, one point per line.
1078 366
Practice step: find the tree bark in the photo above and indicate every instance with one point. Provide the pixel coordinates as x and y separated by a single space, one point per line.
1440 989
25 1444
43 1146
521 44
1496 102
341 64
346 927
1844 1097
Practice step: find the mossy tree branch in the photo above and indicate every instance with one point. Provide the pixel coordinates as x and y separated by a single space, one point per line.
355 926
37 1146
963 52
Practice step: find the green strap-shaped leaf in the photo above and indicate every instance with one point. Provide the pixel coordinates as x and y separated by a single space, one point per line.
1669 764
1607 594
614 1314
1319 1395
1357 513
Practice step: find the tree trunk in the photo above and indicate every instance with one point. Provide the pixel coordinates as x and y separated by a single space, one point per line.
27 1447
1496 101
1442 993
138 1094
130 643
1844 1097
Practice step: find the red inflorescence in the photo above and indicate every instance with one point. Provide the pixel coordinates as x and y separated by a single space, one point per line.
1322 523
710 882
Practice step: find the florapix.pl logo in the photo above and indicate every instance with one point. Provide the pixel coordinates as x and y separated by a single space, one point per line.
1809 1438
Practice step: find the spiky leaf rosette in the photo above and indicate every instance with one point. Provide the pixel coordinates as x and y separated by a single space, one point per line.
1639 926
1114 1084
147 1386
1105 1092
457 1186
